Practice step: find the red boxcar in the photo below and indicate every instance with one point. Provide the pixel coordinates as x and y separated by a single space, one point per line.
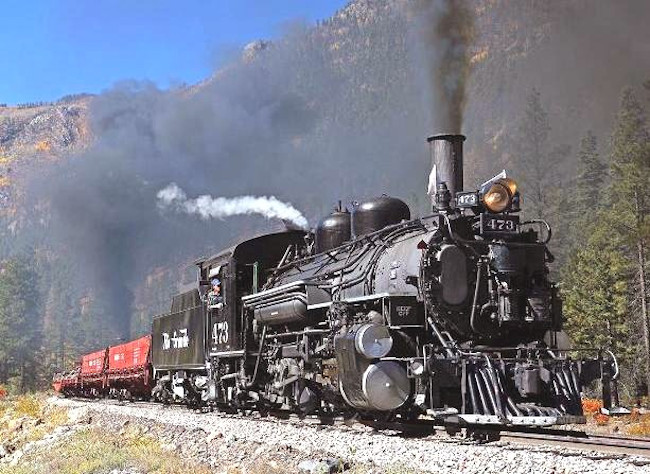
129 369
93 366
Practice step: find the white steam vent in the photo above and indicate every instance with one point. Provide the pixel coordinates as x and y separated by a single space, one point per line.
208 207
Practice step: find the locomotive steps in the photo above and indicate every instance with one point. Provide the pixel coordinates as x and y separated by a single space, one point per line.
236 444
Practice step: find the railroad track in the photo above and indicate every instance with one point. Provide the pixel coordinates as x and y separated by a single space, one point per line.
607 445
603 443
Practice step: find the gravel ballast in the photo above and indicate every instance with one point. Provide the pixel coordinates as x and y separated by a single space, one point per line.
214 437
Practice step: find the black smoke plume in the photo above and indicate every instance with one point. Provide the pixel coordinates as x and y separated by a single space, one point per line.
287 121
225 139
445 30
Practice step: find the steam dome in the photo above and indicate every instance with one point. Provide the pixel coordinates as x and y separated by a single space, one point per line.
377 213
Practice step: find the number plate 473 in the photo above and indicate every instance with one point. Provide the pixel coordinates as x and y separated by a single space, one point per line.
220 333
499 224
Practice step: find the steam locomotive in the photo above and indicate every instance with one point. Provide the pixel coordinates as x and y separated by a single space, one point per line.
452 315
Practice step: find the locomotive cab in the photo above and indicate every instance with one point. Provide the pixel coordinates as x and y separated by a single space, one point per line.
242 271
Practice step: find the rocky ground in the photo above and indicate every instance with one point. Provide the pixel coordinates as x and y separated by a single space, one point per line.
142 438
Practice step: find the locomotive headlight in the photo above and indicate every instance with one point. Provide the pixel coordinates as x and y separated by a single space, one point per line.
510 183
498 197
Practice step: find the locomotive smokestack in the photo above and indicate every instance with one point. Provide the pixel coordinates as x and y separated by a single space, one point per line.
446 162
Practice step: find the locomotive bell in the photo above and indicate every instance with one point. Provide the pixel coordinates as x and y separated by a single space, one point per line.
446 163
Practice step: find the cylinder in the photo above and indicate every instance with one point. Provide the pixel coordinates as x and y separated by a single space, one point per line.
447 158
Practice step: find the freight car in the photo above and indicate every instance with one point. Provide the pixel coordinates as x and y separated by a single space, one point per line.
452 315
92 376
123 372
128 372
67 383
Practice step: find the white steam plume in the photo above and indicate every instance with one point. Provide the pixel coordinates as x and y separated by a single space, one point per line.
217 208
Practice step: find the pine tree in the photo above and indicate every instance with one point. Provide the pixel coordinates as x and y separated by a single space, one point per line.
592 173
585 197
20 322
596 290
630 198
537 162
64 331
605 280
537 168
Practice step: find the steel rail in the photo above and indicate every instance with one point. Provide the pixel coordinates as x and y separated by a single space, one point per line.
603 443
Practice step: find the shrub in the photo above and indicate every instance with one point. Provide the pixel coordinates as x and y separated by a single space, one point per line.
591 405
600 419
640 424
28 405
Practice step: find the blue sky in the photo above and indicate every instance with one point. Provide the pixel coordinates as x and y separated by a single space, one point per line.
50 48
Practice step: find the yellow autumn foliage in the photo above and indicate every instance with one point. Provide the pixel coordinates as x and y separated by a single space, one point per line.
43 145
480 56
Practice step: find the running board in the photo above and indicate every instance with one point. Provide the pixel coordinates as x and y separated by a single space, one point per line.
519 420
615 411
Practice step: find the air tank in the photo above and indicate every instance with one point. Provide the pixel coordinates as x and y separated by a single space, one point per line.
333 230
284 309
377 213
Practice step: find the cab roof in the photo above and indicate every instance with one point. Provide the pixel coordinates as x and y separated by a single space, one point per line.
256 248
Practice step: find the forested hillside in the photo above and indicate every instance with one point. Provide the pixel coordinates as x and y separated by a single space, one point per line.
335 111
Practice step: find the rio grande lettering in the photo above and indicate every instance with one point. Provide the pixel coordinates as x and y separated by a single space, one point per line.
178 340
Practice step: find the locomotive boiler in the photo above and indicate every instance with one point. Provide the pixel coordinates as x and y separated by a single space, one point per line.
451 315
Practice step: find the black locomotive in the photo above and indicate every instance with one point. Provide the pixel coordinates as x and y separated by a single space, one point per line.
451 315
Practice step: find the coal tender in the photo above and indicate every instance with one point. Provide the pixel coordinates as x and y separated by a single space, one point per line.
382 316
